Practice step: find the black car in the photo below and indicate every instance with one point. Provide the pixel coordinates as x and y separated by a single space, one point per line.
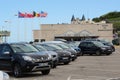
94 47
23 57
63 56
66 47
104 42
54 55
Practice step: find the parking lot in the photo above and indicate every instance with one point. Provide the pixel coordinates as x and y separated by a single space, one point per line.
84 68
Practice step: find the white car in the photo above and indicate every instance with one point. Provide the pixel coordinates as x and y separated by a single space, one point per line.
4 76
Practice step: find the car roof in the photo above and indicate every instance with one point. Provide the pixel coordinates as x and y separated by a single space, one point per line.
88 41
15 43
53 42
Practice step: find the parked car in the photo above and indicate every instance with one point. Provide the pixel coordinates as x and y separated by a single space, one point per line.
65 47
94 47
53 54
104 42
4 76
63 56
22 57
74 45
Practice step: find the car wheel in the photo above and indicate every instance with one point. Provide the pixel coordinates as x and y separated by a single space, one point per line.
53 65
45 72
73 59
17 70
66 62
108 53
98 53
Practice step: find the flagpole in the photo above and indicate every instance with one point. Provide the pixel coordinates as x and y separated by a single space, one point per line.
8 22
18 24
32 25
18 30
39 29
25 33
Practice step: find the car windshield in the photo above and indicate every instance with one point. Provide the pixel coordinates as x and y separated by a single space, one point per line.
52 47
23 48
63 46
74 44
39 47
98 43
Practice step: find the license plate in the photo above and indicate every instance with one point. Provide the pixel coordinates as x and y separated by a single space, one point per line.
43 64
65 58
109 50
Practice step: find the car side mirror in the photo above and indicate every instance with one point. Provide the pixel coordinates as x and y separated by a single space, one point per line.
6 53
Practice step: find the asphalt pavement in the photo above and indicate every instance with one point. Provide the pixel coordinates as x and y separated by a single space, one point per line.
83 68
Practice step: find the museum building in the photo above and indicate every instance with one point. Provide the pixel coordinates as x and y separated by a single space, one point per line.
78 29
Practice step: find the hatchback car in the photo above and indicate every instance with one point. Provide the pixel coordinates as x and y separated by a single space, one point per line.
94 47
23 57
65 47
54 55
63 56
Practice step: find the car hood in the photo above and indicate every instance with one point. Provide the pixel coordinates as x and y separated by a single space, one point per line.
51 52
61 53
72 51
107 47
36 55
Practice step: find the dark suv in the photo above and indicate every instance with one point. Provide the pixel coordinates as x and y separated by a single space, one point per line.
94 47
104 42
22 57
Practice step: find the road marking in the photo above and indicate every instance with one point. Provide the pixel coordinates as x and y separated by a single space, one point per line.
113 79
69 78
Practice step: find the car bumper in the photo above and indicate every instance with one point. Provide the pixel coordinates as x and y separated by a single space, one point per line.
64 59
31 67
73 57
106 51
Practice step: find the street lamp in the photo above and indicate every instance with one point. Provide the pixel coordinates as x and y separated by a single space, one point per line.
7 30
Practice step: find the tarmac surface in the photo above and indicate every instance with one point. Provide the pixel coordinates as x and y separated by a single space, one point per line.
84 68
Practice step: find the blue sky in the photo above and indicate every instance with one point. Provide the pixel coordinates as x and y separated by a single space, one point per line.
59 11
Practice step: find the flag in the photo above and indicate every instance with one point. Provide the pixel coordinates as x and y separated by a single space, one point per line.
31 15
36 14
43 14
21 15
28 15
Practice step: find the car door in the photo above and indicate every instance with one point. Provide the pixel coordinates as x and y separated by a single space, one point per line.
90 47
5 58
83 47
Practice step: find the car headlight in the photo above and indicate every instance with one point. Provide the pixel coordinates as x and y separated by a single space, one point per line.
27 58
4 76
49 56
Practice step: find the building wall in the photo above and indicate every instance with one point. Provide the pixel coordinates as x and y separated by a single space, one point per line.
49 31
37 34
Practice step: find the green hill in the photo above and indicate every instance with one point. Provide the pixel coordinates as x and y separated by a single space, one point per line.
111 17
